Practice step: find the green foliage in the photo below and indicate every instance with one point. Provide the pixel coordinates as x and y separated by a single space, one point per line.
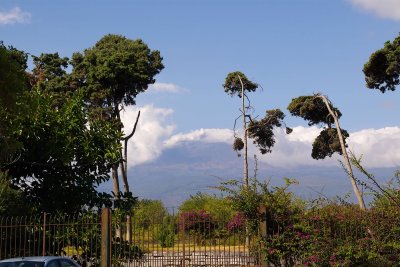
12 75
64 157
147 212
166 236
388 196
13 82
312 109
261 131
327 143
115 70
382 69
218 207
11 200
248 199
233 86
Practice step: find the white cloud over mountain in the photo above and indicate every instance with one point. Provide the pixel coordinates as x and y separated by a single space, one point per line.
389 9
155 134
15 15
202 135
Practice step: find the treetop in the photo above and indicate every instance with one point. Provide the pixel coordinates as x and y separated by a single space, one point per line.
233 84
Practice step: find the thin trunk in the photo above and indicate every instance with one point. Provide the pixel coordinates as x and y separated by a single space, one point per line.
124 172
345 155
245 162
117 193
114 172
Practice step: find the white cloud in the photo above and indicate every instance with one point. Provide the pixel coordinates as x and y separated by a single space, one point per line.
294 149
15 15
379 148
154 134
202 135
389 9
166 87
147 143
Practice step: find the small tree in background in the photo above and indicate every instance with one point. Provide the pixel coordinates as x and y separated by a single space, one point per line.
237 84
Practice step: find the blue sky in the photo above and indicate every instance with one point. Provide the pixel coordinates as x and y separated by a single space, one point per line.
289 47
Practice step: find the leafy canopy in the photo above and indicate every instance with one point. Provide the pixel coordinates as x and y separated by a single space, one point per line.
13 81
261 131
327 143
116 69
314 110
383 67
233 86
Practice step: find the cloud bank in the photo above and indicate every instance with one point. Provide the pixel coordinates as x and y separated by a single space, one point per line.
152 129
154 134
202 135
15 15
388 9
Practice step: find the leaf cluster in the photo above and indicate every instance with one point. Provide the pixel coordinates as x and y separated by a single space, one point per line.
382 69
312 109
116 69
327 143
233 85
261 131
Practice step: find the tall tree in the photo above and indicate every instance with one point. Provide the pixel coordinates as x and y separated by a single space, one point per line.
237 84
13 82
382 71
113 72
317 109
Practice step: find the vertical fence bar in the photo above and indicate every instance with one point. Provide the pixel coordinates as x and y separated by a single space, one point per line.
105 237
44 234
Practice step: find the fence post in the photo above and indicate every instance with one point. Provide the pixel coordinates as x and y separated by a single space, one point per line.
105 259
263 232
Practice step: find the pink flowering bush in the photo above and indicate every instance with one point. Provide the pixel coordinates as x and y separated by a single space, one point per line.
237 223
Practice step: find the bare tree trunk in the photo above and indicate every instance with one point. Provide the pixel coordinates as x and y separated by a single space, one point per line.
245 162
117 193
124 172
114 172
344 152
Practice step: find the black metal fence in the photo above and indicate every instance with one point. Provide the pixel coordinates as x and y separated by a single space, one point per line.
95 239
329 237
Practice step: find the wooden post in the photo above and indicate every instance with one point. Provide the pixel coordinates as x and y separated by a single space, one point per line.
105 238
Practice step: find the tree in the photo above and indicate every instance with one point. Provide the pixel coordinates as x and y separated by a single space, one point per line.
12 83
60 155
317 109
64 157
383 67
113 73
237 84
